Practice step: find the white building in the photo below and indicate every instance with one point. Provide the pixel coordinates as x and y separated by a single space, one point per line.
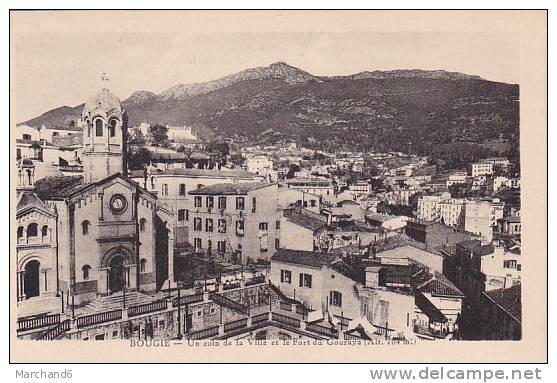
481 217
482 168
181 133
259 164
173 185
360 189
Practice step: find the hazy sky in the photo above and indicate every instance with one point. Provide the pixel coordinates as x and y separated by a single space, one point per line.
57 58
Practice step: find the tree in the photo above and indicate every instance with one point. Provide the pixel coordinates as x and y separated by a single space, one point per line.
292 171
221 147
136 138
159 135
139 158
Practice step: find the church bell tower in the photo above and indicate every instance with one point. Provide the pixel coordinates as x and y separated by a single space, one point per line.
105 134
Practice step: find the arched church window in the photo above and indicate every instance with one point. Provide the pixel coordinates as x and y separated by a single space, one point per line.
85 227
142 223
142 264
99 128
86 272
20 232
32 230
44 231
112 128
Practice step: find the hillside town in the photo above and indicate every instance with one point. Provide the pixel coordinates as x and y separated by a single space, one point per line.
155 231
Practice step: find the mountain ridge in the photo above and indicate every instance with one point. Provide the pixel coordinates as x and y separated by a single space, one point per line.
291 74
417 111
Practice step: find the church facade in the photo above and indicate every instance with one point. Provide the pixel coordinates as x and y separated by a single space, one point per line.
97 234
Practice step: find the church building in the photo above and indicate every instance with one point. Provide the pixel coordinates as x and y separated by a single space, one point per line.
93 235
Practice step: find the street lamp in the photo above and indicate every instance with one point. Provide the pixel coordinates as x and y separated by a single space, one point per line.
178 286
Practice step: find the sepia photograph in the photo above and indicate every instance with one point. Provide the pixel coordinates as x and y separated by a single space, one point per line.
200 179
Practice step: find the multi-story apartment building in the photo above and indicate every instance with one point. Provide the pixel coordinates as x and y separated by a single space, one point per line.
441 208
478 217
428 207
172 187
457 178
361 188
451 212
234 221
481 168
481 217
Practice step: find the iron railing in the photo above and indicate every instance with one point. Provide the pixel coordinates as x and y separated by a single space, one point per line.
57 331
323 330
37 322
221 300
256 319
147 308
187 299
235 325
286 320
205 333
93 319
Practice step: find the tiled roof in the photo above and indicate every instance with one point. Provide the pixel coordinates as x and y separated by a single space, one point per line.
306 258
509 299
347 270
229 188
58 186
441 286
30 199
307 221
475 246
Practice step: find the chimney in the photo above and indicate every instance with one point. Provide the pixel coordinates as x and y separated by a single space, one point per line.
508 281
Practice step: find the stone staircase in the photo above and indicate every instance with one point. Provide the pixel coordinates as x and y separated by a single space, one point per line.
116 301
38 306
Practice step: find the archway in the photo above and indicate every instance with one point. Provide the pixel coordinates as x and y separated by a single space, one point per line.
116 279
31 279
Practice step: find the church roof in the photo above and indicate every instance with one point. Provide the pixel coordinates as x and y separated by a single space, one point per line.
58 186
103 101
30 199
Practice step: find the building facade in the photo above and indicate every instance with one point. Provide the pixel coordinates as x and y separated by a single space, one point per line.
236 222
92 235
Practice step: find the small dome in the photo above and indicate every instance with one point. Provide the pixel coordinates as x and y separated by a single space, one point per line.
103 102
26 162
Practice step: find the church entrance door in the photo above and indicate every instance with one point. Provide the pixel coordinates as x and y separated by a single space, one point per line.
116 274
31 279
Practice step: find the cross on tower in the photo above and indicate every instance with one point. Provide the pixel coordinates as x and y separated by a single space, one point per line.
105 80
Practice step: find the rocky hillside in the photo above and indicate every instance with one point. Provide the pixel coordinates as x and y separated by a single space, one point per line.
451 115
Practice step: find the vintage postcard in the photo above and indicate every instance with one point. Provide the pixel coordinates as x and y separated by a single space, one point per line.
278 186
